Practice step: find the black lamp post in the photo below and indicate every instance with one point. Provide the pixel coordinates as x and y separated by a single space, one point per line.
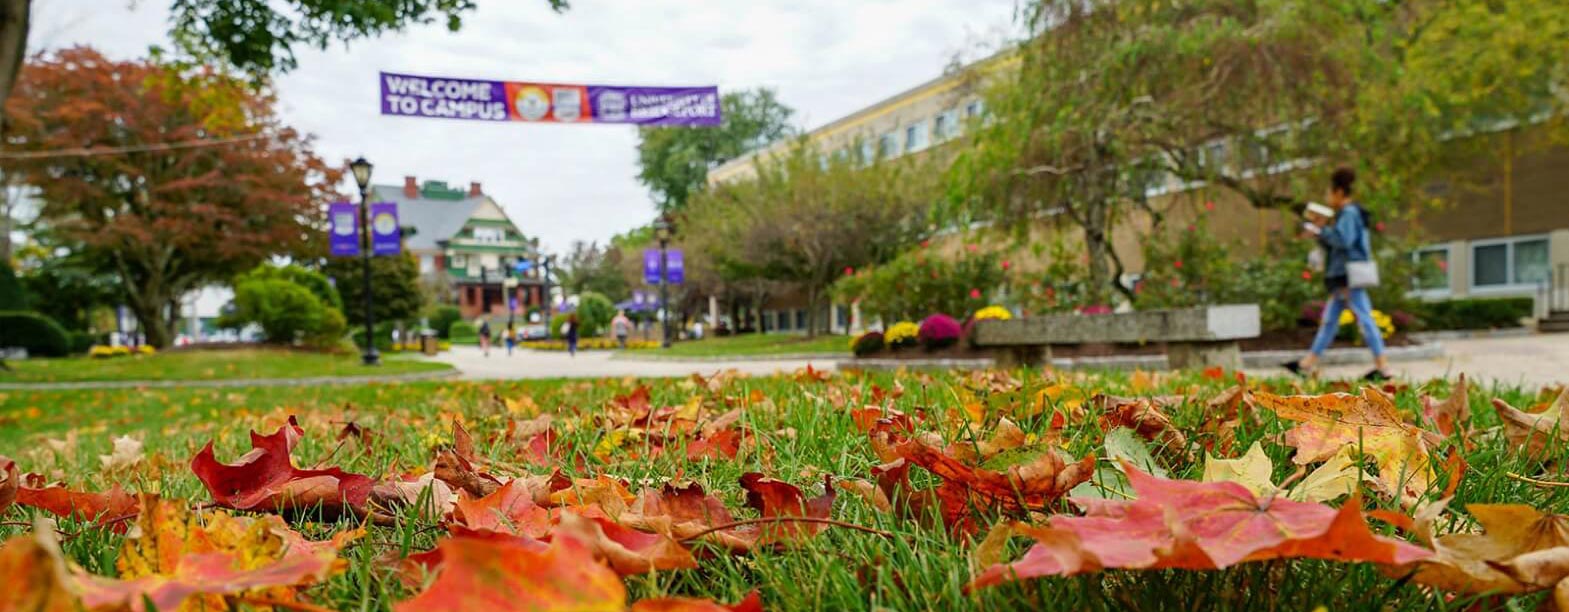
662 232
361 170
547 262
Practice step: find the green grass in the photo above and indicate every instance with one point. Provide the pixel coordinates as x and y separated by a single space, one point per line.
247 363
803 430
755 345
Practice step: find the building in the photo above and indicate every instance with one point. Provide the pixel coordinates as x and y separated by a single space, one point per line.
1503 231
469 250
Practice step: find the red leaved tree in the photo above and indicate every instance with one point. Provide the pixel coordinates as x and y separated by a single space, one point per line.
165 220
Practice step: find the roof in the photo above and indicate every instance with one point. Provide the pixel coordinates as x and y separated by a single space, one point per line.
435 220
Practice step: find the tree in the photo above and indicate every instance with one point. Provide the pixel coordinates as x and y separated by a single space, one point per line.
12 297
587 267
674 161
395 288
165 221
285 311
805 219
256 37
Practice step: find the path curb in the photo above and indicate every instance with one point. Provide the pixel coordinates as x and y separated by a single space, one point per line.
236 382
624 356
1250 359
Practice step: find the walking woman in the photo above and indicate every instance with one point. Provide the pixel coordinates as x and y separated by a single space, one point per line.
570 330
1348 273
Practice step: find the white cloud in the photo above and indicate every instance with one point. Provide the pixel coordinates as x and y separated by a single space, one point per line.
827 58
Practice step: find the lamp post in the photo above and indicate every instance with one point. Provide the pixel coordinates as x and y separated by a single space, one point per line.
361 170
548 262
662 232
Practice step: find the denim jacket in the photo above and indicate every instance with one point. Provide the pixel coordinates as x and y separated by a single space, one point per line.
1345 240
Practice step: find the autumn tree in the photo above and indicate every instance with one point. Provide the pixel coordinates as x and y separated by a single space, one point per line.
91 132
674 161
590 267
806 218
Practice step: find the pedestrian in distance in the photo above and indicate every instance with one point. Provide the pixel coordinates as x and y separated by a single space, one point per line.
621 326
484 336
1349 271
511 338
569 330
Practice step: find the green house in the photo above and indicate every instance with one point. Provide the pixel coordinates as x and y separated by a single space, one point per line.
468 248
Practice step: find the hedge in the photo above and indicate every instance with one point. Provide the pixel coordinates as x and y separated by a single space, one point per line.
1476 313
40 335
383 336
442 318
463 332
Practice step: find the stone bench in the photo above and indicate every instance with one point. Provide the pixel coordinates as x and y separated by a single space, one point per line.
1195 337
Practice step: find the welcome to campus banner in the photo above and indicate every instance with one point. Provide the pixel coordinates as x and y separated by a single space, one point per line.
451 98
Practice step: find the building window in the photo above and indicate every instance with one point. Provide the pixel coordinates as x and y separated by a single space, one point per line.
782 320
945 125
459 261
427 264
800 319
489 235
888 145
868 152
1215 156
915 137
1432 269
1509 262
974 109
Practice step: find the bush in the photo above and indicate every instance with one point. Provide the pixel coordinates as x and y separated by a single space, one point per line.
921 281
556 323
12 298
594 312
285 311
81 341
1475 313
463 332
903 334
442 319
939 331
866 344
39 334
383 333
313 281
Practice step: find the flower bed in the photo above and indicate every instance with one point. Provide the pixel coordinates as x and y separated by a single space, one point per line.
106 352
588 344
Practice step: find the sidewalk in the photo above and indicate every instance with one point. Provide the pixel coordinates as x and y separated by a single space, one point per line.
1532 360
472 364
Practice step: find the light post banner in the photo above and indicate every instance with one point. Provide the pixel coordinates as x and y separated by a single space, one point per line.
385 239
675 270
651 266
482 100
345 229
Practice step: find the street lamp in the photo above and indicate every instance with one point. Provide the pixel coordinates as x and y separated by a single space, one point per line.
361 170
662 232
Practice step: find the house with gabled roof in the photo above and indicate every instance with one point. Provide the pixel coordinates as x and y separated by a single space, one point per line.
468 249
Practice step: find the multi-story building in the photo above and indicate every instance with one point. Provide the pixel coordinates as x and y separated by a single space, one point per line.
467 247
1503 230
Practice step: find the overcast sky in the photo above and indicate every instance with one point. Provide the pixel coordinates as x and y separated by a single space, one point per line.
826 58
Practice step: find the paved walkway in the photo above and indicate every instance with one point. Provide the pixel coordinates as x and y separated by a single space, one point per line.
228 382
555 364
1533 360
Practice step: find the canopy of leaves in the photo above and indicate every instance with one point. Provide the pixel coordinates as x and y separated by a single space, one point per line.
395 290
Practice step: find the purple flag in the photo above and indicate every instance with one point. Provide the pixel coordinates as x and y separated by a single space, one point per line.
484 100
345 229
675 272
651 266
385 239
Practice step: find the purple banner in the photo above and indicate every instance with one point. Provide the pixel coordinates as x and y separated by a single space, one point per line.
345 229
651 266
675 271
385 239
482 100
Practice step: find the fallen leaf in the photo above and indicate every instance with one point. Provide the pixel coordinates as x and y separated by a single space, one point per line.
992 548
1454 413
10 482
1370 423
1178 524
1029 483
1506 557
504 575
265 479
776 498
1534 431
110 507
510 509
627 551
751 603
1337 477
126 454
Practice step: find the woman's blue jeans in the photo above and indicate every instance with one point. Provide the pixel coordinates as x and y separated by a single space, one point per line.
1361 306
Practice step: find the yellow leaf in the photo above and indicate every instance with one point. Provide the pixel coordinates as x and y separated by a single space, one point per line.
1252 470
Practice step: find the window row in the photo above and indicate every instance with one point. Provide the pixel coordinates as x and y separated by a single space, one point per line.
919 135
1503 263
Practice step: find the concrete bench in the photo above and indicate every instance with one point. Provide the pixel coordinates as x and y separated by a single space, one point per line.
1194 337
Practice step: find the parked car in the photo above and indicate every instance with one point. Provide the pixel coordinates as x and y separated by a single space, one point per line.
535 331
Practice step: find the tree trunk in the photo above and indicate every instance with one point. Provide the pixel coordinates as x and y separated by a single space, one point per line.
15 18
1097 245
811 311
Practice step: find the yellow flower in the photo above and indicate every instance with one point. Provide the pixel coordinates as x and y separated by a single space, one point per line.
1386 325
903 332
993 313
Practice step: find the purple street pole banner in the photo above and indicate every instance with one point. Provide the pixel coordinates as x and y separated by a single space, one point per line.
345 230
675 272
385 239
484 100
651 266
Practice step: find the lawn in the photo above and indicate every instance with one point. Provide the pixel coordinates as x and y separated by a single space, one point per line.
907 552
246 363
755 345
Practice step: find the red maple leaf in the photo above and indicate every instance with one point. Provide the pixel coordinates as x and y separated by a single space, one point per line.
265 479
